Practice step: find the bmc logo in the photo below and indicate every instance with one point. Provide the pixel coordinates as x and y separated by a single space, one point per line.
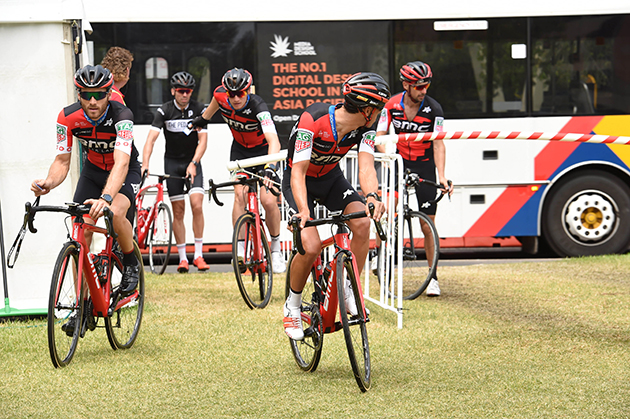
239 126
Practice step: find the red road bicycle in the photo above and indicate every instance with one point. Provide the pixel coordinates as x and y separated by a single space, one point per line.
253 269
72 308
325 290
154 223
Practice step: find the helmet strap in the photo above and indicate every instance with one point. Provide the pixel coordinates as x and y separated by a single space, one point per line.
367 116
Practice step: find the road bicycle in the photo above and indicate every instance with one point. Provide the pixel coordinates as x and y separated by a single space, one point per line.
416 275
253 268
154 223
74 309
325 290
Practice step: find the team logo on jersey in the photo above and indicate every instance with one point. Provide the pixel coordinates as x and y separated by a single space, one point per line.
281 48
369 139
439 124
108 123
303 140
265 119
62 133
247 111
124 130
427 109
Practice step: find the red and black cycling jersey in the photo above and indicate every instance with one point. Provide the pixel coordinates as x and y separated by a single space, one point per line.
174 120
430 118
248 124
314 138
112 131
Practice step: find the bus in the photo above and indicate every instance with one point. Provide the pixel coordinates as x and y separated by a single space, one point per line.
497 66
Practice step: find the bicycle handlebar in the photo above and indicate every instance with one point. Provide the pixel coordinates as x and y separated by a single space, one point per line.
241 180
413 179
334 219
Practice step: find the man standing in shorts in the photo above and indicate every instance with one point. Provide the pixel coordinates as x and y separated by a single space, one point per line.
184 149
254 135
413 111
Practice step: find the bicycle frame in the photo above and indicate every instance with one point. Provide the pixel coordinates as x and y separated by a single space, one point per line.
253 207
329 298
143 231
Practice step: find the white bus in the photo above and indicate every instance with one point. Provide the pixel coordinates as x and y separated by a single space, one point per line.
498 66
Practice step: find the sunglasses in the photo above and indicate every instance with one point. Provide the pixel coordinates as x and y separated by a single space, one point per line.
240 93
421 86
184 91
96 95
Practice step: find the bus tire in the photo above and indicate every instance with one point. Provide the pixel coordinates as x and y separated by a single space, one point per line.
588 214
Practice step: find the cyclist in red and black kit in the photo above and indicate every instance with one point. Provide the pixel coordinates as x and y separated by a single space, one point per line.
184 150
319 140
111 174
412 111
255 135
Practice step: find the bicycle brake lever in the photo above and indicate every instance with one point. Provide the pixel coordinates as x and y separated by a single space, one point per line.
297 236
377 224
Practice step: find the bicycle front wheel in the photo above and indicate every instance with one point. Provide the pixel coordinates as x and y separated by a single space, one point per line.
308 351
353 320
161 240
417 272
65 306
123 326
253 268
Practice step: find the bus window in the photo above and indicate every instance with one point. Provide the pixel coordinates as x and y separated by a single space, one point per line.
475 72
157 81
578 67
199 67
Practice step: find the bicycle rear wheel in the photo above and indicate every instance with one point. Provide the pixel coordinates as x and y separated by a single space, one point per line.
123 326
307 352
65 305
354 324
415 271
161 240
253 270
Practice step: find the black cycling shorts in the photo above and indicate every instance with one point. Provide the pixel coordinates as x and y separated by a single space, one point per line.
331 190
93 180
238 152
424 193
177 187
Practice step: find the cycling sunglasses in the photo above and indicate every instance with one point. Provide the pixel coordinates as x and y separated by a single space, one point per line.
184 91
96 95
421 86
240 93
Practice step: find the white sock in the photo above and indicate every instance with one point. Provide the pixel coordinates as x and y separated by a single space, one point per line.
294 300
181 249
240 251
198 248
275 243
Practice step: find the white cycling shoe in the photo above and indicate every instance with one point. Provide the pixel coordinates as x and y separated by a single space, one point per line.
351 304
433 289
293 322
278 264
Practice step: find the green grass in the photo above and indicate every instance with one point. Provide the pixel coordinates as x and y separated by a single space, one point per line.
532 340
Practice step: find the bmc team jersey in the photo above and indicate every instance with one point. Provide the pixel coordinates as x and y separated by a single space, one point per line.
248 124
175 121
112 131
314 139
430 118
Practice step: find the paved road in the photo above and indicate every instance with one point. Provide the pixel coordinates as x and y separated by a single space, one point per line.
220 262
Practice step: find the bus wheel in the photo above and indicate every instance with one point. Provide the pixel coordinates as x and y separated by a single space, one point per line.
588 214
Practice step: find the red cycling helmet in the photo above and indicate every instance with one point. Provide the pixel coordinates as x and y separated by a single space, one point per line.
237 79
366 89
93 77
416 72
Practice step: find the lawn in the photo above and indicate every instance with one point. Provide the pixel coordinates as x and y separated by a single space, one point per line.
531 340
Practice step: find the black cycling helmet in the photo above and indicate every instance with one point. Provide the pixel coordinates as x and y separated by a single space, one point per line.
93 77
366 89
237 79
416 72
183 79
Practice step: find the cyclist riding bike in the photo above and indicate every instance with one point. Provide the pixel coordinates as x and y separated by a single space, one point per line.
413 111
111 172
319 140
182 158
254 135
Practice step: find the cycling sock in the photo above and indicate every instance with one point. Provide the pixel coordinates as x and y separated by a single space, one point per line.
240 251
294 299
198 248
130 259
181 249
275 243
